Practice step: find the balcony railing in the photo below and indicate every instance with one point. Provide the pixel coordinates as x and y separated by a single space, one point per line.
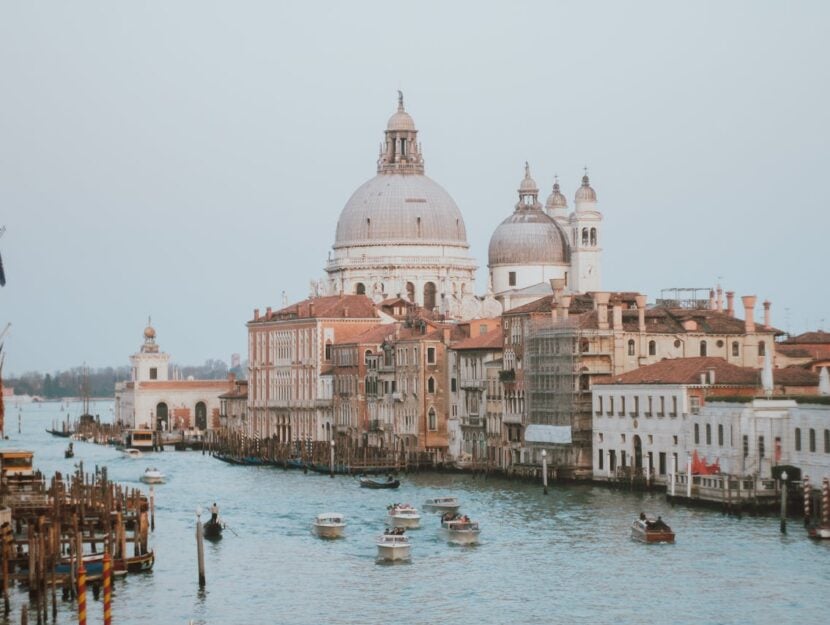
513 418
473 421
507 376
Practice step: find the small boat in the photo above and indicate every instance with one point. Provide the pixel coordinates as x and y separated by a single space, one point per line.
651 531
460 529
819 532
135 564
61 433
393 547
132 452
329 525
69 452
403 515
442 505
389 482
152 476
93 564
212 530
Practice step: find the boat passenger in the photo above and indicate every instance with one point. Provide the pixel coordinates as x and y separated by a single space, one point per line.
642 516
214 513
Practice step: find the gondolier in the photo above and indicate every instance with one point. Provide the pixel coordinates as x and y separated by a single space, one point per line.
214 513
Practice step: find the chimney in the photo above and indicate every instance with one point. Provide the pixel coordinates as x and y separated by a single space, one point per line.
268 313
702 378
749 312
558 285
601 301
311 309
256 314
616 319
730 303
446 333
767 318
711 299
641 312
710 375
554 313
720 299
345 311
566 304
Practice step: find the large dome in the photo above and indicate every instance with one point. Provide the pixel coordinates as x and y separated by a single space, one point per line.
400 209
528 237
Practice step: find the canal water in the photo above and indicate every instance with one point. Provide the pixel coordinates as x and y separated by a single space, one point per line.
562 558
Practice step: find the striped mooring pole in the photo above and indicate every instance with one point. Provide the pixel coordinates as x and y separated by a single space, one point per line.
825 502
806 483
81 594
107 589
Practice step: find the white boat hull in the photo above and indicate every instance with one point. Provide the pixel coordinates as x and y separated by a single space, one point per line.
394 552
152 479
405 521
441 508
462 537
329 531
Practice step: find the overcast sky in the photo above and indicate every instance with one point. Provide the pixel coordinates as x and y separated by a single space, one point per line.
189 160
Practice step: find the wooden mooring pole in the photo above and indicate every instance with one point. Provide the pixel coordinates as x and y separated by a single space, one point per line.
200 548
81 593
107 589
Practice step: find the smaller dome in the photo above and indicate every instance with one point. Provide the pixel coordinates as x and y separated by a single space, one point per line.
585 193
401 120
528 237
556 199
149 332
528 184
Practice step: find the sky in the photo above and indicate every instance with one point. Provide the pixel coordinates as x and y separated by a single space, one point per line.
189 159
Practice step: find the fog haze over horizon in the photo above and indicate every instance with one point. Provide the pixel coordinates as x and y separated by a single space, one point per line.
188 160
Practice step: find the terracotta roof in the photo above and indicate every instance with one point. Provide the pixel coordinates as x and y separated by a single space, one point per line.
376 334
819 336
491 340
689 370
793 351
327 307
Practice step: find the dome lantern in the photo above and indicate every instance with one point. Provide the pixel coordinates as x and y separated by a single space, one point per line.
556 204
401 152
585 194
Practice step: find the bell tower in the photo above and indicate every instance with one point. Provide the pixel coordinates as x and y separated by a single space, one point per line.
585 232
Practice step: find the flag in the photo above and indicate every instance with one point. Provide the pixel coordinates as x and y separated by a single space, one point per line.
699 466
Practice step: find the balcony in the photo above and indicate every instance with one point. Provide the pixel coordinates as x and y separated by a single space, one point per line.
397 396
478 385
507 376
376 425
513 418
633 413
473 421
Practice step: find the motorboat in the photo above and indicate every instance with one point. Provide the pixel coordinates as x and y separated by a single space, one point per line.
442 505
460 529
132 452
647 530
152 476
403 515
820 532
389 482
393 547
329 525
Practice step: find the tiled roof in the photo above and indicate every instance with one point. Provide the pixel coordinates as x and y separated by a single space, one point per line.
689 370
819 336
376 334
326 307
491 340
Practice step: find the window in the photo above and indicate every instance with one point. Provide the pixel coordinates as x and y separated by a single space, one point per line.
798 439
622 459
827 441
652 348
762 348
697 434
650 406
661 459
433 420
720 434
812 439
708 433
429 292
511 278
585 242
599 406
430 355
610 406
600 460
694 404
631 347
703 348
154 373
430 385
761 450
622 406
584 346
736 349
360 289
673 406
453 386
636 404
593 236
662 412
746 446
328 351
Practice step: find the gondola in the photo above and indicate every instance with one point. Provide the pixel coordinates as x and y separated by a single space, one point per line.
61 433
212 530
366 482
69 452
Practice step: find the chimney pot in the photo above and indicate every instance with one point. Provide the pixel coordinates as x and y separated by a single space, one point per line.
767 316
641 312
720 300
256 314
566 305
268 313
730 303
749 312
601 302
616 319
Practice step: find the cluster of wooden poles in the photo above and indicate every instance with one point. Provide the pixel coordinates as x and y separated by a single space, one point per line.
57 535
824 502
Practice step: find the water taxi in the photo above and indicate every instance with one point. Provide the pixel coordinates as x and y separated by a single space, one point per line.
132 452
647 530
152 476
393 547
460 529
141 439
442 505
403 515
329 525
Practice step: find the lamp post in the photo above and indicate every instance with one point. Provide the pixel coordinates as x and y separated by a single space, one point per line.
544 471
331 463
783 502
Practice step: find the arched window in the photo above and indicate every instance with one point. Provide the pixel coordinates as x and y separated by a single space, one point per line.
652 348
697 434
328 350
762 348
584 345
429 295
631 347
430 385
812 439
410 291
585 236
433 420
201 415
368 228
736 349
593 236
360 289
366 356
703 348
797 439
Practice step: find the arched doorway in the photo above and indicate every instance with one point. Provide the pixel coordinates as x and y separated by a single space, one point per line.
201 415
638 452
429 295
161 416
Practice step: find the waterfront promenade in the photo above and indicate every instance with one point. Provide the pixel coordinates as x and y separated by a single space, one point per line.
562 558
